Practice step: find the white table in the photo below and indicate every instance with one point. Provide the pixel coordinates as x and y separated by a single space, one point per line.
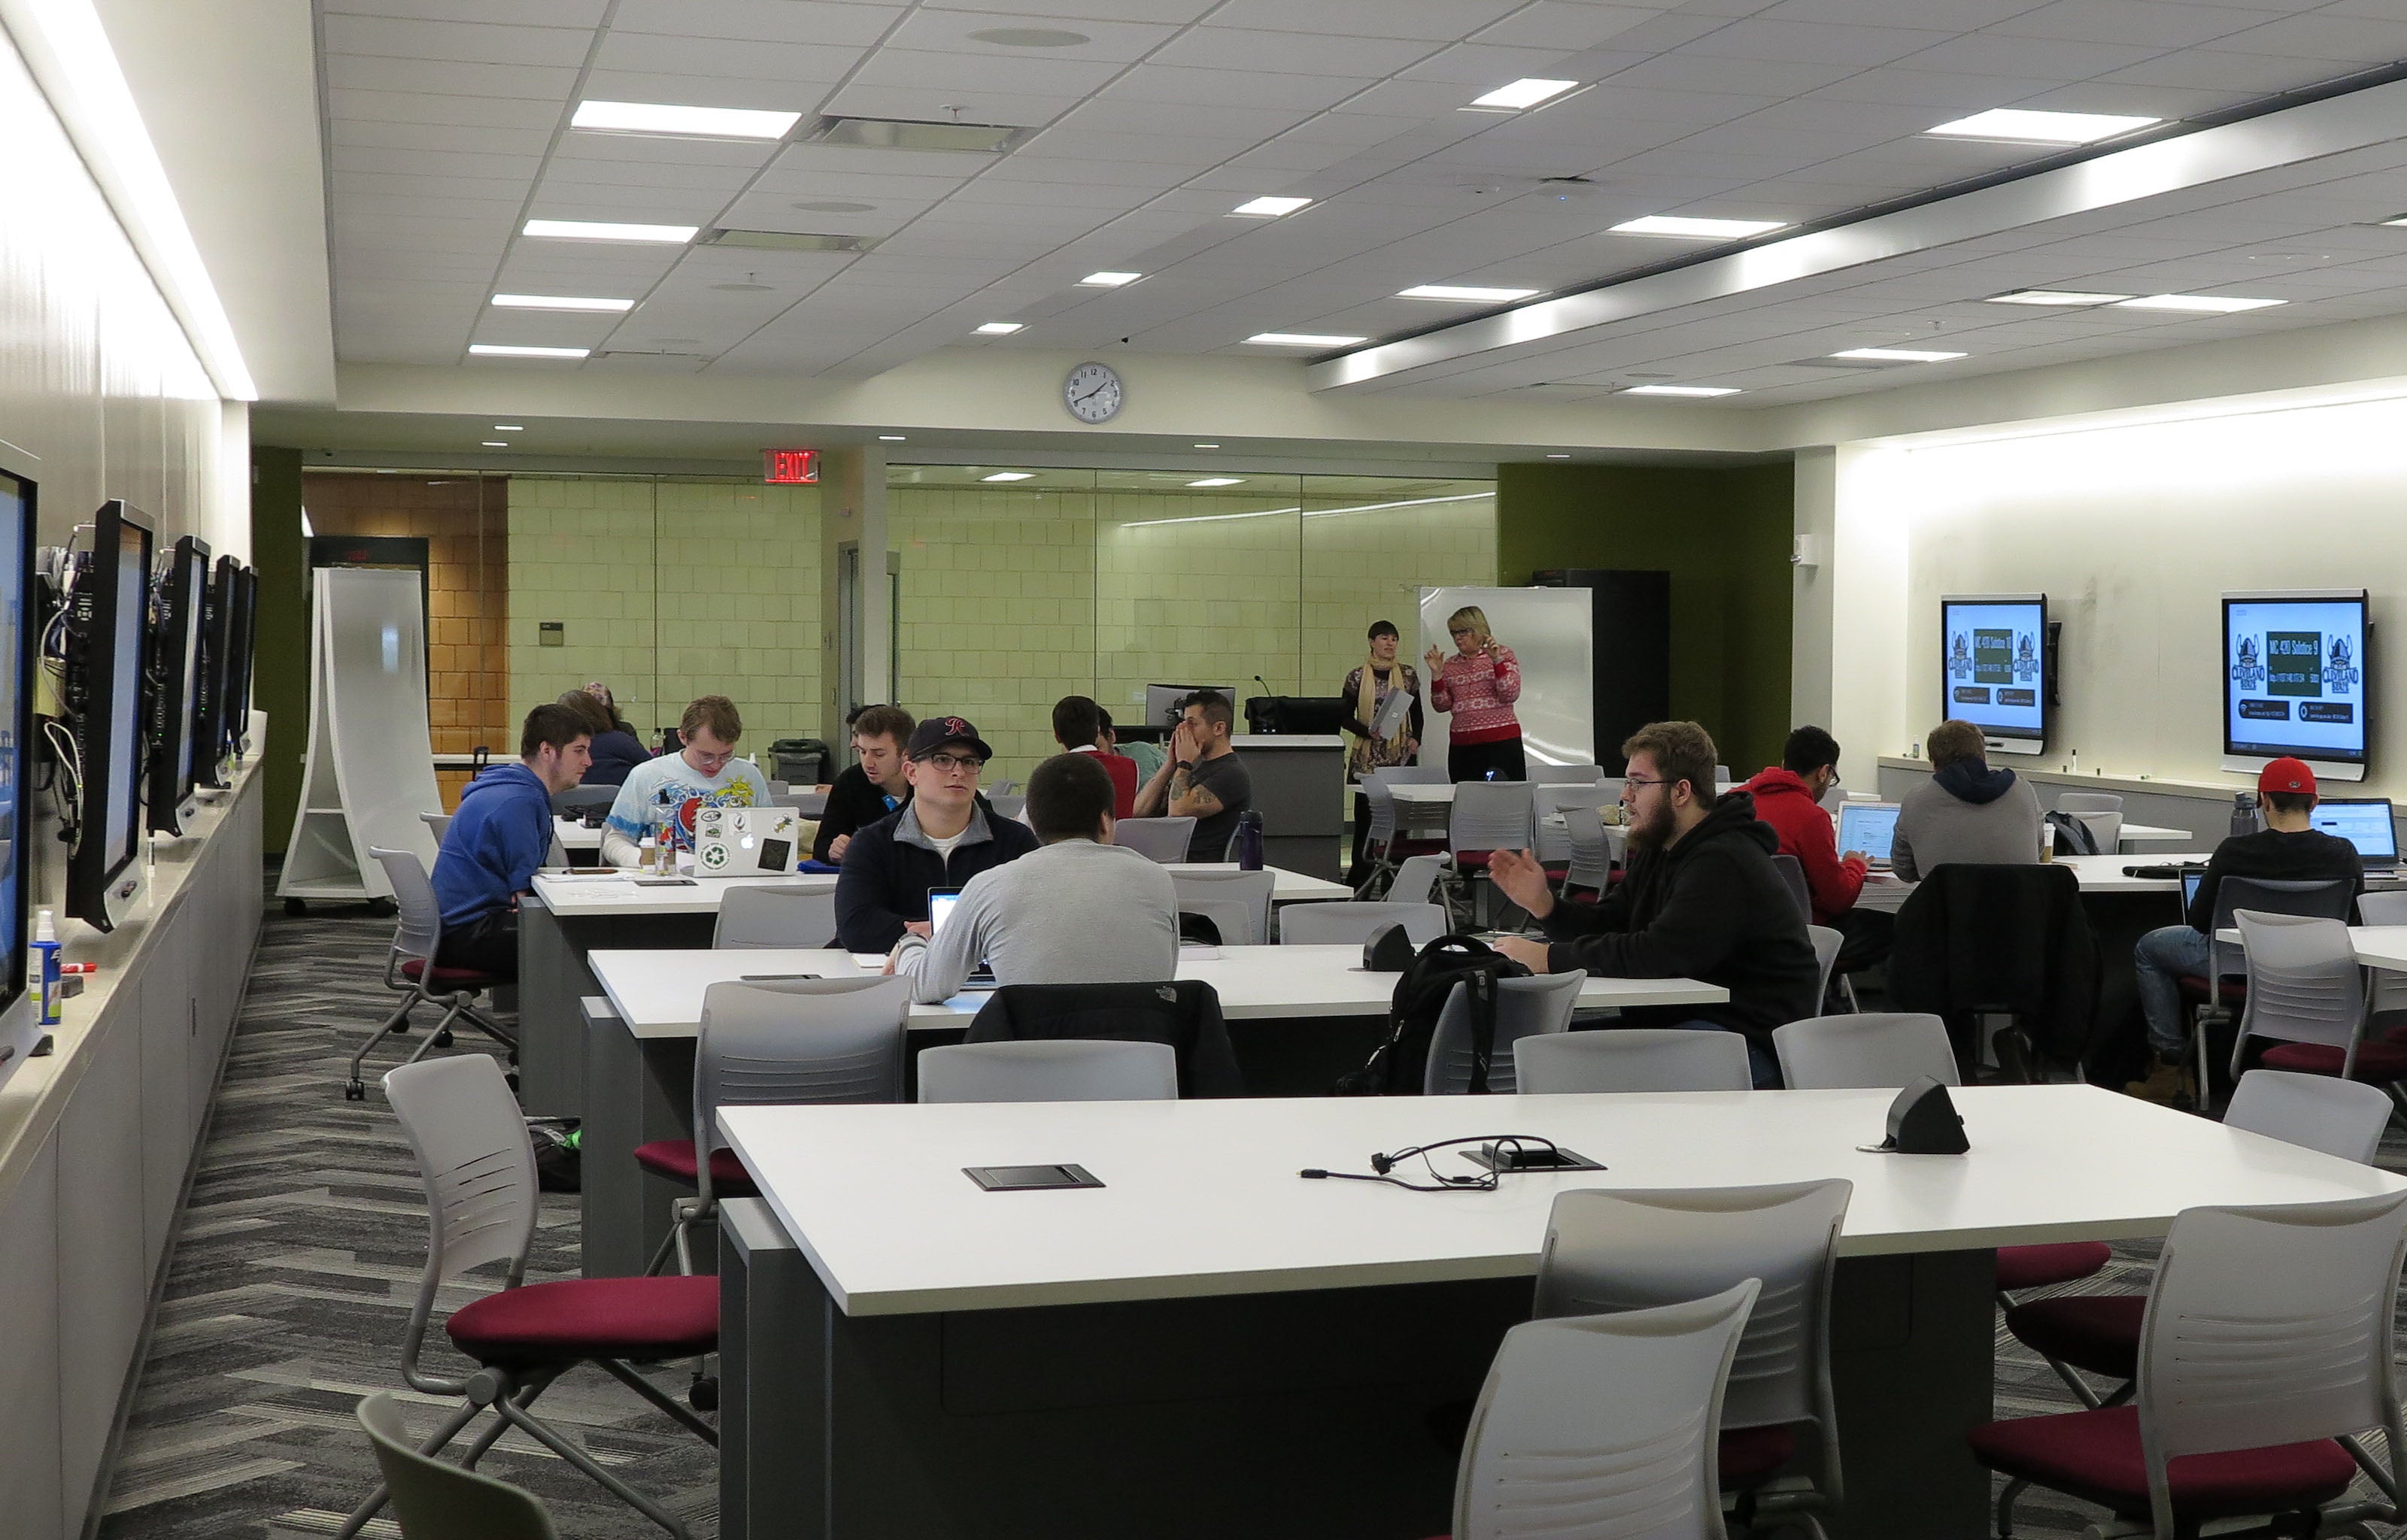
2152 834
911 1357
577 835
1298 1017
2099 875
569 896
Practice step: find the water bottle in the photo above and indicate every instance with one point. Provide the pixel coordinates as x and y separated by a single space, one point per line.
2243 813
1249 840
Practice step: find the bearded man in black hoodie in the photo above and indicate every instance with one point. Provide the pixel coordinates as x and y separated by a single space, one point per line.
1702 900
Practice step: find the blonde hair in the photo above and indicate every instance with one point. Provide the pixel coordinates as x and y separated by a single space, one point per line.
1473 618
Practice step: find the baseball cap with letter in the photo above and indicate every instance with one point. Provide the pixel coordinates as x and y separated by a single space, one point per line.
2286 774
934 732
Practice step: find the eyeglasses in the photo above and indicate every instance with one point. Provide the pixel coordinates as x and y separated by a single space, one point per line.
951 762
1629 781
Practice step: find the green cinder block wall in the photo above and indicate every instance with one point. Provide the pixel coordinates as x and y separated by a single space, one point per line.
1723 535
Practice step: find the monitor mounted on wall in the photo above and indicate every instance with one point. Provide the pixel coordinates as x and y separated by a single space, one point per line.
108 624
1994 667
176 669
2296 680
19 1028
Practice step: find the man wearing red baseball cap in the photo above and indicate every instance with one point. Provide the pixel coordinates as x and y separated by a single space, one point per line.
2289 849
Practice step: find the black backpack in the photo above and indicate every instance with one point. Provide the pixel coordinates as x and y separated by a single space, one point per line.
1400 1065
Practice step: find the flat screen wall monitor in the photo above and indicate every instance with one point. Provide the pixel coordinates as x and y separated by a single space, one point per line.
107 620
1993 667
1161 708
211 701
19 1028
176 666
245 635
2296 681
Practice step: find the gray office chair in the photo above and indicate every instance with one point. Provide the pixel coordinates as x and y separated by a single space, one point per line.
1351 924
410 970
1610 1251
1007 804
1565 775
2305 991
774 917
1549 824
1416 880
2087 801
775 1043
1721 774
1238 903
1525 1007
1827 943
2342 1118
1591 863
438 825
1050 1069
1792 873
1644 1389
434 1501
1487 815
1631 1059
577 798
2388 988
1868 1051
2105 830
2329 899
1161 840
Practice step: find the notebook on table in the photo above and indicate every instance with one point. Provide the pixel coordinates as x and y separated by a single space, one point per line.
1870 827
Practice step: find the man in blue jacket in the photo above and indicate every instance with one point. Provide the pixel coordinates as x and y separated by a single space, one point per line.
499 835
944 836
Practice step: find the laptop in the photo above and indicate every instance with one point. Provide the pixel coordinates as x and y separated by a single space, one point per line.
730 841
2364 822
1870 827
940 911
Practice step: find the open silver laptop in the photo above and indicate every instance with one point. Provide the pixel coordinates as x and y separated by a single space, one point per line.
1870 827
940 910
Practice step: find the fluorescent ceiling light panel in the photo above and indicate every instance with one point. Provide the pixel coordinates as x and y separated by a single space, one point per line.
509 428
705 122
1697 229
558 302
999 329
2024 126
504 350
1218 481
1526 92
1269 209
1681 390
1558 457
891 438
2203 305
494 444
596 230
1302 339
1467 293
1207 446
2056 296
1110 280
1897 354
1008 475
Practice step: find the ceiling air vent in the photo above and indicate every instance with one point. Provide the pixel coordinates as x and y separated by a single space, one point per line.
904 133
786 240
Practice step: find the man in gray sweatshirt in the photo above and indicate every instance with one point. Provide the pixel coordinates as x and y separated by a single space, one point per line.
1080 911
1966 812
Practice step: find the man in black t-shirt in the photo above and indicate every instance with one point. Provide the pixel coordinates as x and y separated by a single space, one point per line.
870 788
1201 777
2288 849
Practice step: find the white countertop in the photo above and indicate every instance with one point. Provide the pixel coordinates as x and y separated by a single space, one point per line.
658 993
1202 1198
572 896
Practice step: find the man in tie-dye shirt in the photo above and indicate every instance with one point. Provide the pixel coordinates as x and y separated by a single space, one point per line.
706 768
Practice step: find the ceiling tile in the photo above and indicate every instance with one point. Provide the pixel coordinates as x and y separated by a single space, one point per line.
457 41
816 22
801 64
1242 50
442 78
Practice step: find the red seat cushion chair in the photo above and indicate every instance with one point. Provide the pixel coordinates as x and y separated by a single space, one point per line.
675 1160
2021 1267
416 971
2094 1456
2100 1333
2377 1060
640 1318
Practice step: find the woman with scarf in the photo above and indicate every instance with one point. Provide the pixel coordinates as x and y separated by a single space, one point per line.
1367 689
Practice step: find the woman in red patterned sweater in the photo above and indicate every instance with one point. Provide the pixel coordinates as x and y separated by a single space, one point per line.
1477 686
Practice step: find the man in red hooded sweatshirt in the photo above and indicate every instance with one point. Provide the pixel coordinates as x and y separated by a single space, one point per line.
1789 798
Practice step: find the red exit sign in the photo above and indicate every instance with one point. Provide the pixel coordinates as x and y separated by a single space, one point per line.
789 467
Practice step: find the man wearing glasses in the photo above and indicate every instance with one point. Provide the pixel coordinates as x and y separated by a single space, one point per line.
944 836
705 772
1701 901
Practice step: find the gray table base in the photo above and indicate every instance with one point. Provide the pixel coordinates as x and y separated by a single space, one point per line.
552 977
1309 1416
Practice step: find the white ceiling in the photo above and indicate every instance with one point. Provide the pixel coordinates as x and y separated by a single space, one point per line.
446 127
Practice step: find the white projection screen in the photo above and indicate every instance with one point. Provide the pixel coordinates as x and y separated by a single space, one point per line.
1550 631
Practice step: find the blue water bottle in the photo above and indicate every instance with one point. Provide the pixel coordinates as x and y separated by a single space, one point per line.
1249 840
46 965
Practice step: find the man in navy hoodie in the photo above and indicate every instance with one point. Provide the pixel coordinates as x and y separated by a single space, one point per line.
497 839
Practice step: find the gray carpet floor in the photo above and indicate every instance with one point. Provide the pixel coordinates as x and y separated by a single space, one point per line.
300 1255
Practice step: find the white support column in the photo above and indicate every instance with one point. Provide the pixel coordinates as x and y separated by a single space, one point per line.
852 504
1868 579
1815 528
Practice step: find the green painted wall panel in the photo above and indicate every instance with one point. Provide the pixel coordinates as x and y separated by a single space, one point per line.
280 672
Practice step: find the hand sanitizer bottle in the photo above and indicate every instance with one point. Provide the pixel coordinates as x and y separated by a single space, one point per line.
45 968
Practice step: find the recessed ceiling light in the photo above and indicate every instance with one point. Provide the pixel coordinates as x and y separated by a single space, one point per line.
891 438
833 205
2056 296
1687 228
1269 209
1110 280
708 122
1468 293
1008 475
2204 305
1207 446
503 350
1523 93
494 444
1218 481
1558 457
741 288
1302 339
508 428
1897 354
1681 390
999 329
597 230
558 302
2024 126
1032 37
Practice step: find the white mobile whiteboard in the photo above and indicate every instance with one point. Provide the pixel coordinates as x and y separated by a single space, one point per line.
1551 633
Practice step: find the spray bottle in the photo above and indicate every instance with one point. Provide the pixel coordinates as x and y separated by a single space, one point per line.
46 967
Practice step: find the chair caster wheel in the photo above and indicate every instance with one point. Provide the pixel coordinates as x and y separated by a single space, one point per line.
355 1092
443 1038
295 908
704 1393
